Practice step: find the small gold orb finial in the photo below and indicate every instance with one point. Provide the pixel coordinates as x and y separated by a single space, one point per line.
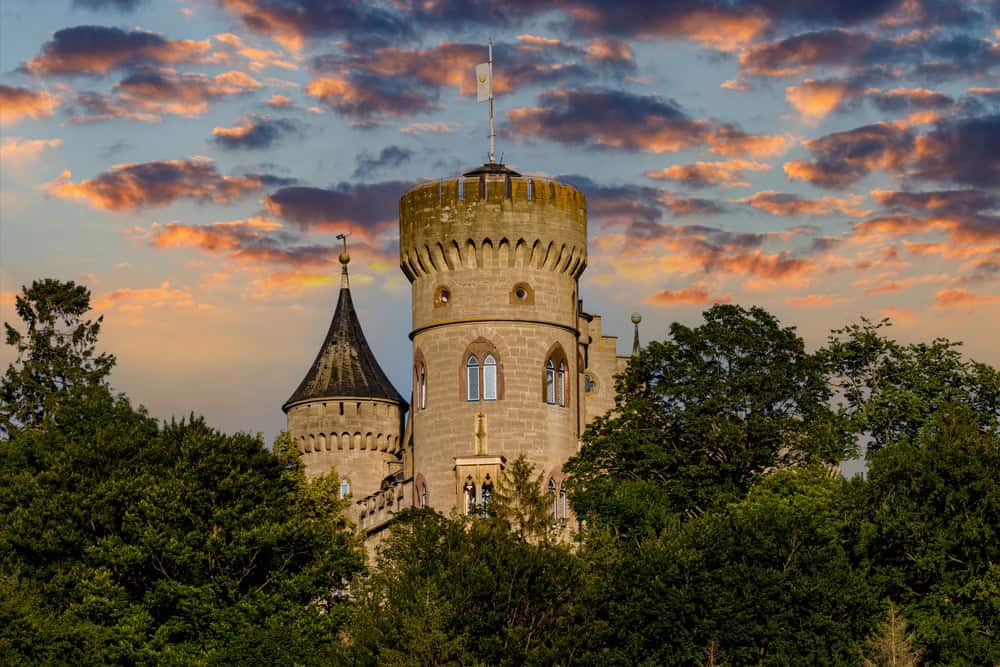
636 318
345 257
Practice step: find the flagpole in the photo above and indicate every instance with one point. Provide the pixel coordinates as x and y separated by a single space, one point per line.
492 134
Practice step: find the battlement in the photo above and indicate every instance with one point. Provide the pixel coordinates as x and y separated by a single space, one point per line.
492 220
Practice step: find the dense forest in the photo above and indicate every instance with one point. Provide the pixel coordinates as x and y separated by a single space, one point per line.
715 527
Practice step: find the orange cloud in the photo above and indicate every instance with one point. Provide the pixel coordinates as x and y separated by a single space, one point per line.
257 59
152 184
16 151
136 299
960 297
430 128
815 300
219 237
899 314
288 283
19 103
701 174
815 100
721 31
181 94
777 203
611 50
89 50
279 102
695 294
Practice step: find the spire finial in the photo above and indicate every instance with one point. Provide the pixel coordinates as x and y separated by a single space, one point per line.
636 318
345 259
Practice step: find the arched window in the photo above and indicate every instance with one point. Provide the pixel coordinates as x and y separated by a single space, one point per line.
422 384
550 382
561 385
554 500
472 371
489 378
423 496
487 493
469 489
563 503
345 488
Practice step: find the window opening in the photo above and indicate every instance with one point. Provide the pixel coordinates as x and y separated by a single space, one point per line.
472 368
554 499
487 494
531 189
563 503
550 382
470 495
423 495
345 488
489 378
423 388
561 386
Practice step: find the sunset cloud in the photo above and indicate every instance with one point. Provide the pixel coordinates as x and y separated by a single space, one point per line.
843 158
361 209
154 184
959 297
704 174
815 100
277 101
780 203
17 151
257 59
696 294
96 50
601 118
253 132
18 103
129 299
180 94
815 300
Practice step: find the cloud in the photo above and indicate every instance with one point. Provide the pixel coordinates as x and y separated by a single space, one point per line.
780 203
682 206
601 118
253 132
97 5
17 151
90 50
950 202
961 150
362 209
365 96
180 94
704 174
128 299
814 100
800 53
843 158
292 22
696 294
277 101
17 103
391 156
911 99
154 184
287 284
627 205
429 128
959 297
815 300
257 59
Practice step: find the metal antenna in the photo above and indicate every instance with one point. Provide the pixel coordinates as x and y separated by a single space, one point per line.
492 133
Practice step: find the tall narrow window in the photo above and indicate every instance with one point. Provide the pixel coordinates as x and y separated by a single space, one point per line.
550 382
472 369
554 499
563 503
487 490
423 496
470 496
489 378
345 488
423 388
561 386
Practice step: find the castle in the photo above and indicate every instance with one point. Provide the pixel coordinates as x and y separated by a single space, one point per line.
505 360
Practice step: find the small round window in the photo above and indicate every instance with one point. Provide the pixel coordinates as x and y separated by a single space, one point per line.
522 293
442 297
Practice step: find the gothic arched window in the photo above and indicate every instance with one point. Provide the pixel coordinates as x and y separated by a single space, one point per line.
489 378
550 382
423 496
422 388
487 491
563 503
472 373
554 499
561 384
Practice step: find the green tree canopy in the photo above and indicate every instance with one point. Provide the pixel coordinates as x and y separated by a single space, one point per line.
55 354
700 416
520 501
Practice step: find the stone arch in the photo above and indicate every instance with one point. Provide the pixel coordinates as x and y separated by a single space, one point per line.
356 440
488 259
555 358
480 349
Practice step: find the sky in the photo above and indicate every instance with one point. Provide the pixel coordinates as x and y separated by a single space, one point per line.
192 161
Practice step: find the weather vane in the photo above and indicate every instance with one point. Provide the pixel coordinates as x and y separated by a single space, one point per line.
484 91
345 258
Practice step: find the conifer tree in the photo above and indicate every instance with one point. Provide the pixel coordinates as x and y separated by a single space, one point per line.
519 500
891 645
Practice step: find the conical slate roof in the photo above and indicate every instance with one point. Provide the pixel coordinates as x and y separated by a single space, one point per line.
345 365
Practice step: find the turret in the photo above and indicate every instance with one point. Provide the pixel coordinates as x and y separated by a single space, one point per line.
345 413
493 259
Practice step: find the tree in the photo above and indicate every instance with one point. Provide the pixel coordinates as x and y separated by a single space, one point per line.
451 591
928 520
55 355
520 501
699 417
124 542
891 645
891 390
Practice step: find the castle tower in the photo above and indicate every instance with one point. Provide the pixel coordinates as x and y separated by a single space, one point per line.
494 260
346 413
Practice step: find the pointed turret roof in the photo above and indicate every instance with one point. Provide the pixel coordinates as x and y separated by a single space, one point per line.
345 366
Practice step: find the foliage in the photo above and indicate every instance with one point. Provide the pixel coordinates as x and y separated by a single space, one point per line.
124 542
450 591
55 354
520 501
891 645
699 417
929 517
892 390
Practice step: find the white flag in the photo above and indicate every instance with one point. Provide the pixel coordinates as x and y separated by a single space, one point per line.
484 84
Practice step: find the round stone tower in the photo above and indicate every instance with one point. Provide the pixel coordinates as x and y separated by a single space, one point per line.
494 260
346 413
